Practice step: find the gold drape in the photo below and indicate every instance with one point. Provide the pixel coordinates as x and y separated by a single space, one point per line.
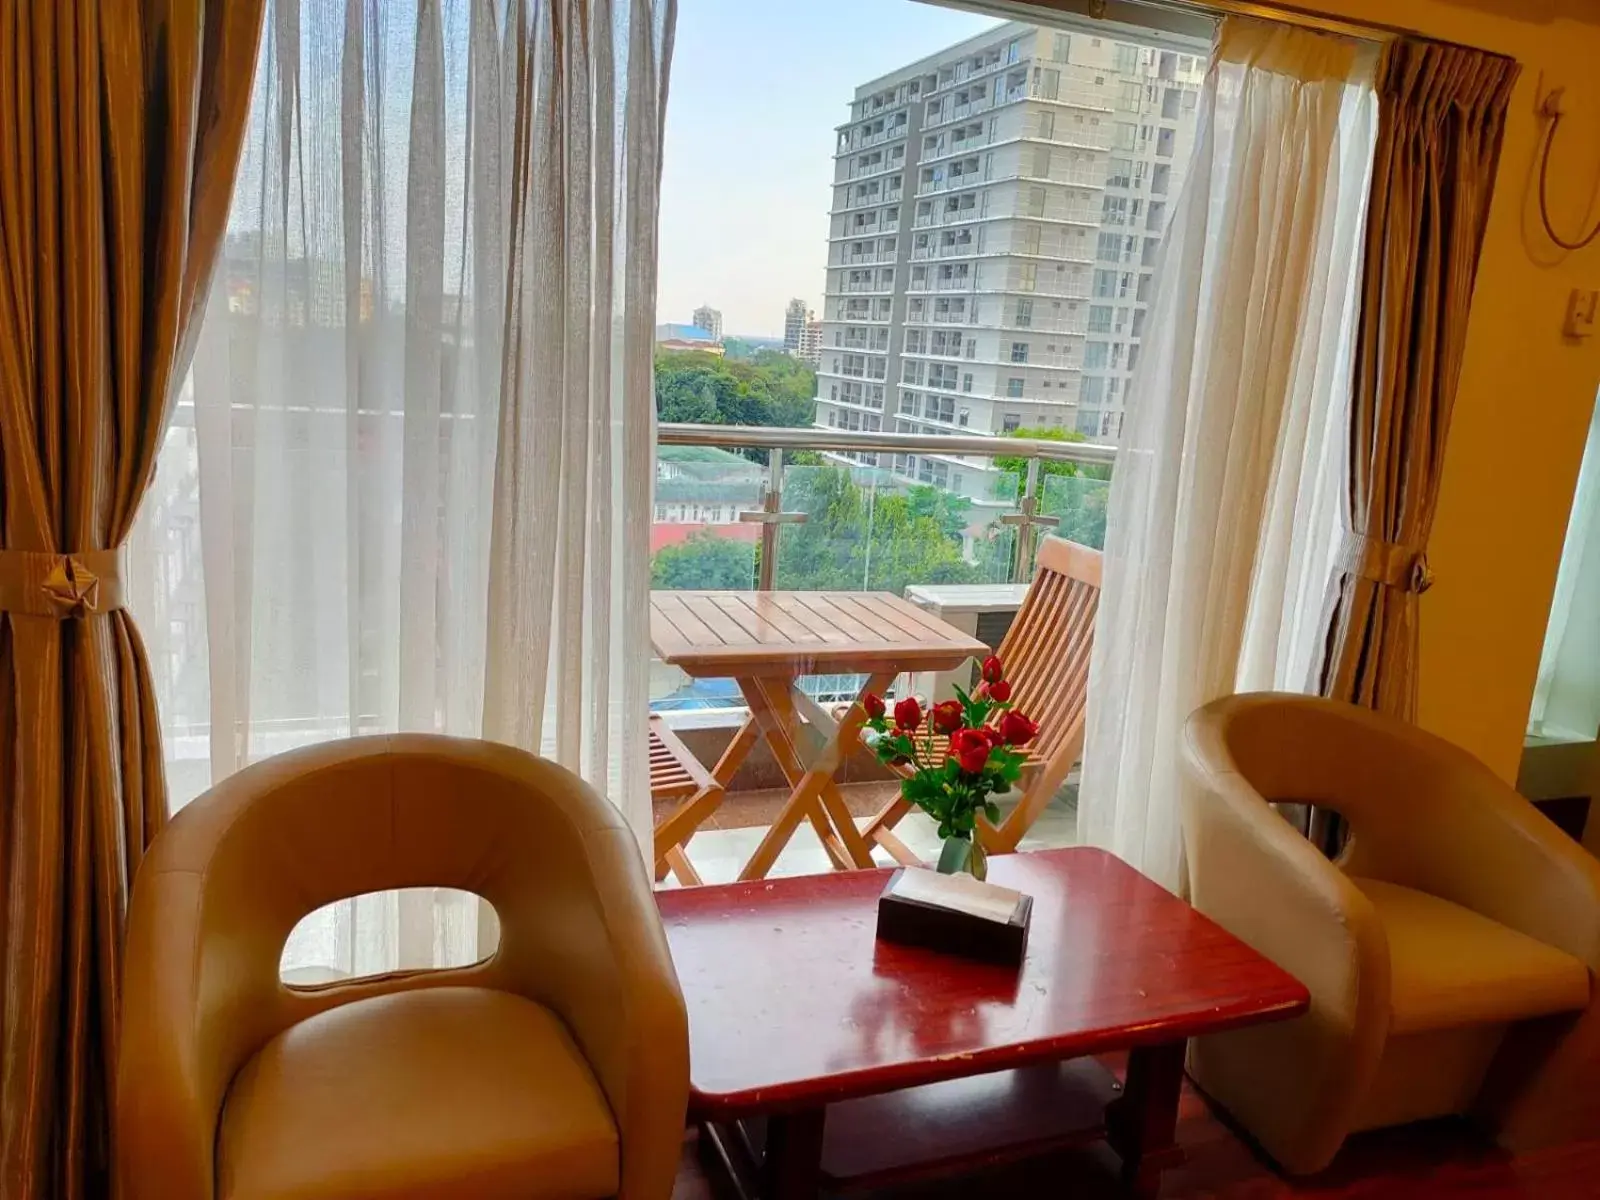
1441 119
120 126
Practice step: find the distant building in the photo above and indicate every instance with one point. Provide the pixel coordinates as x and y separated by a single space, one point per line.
811 340
687 337
709 319
794 325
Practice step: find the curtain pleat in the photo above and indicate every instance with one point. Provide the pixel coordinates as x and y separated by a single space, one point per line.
120 127
1442 113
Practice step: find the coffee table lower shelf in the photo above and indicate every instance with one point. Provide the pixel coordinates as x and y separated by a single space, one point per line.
958 1126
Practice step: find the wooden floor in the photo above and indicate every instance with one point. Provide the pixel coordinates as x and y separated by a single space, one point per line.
1421 1162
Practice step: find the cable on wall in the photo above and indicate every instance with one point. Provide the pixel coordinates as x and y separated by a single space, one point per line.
1551 108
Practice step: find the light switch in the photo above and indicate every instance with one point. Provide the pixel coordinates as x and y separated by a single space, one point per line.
1581 312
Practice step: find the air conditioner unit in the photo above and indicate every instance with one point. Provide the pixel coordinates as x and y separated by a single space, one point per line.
983 610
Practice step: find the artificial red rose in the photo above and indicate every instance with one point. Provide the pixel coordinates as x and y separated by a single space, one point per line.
1000 691
1016 729
991 670
971 749
947 716
873 703
908 714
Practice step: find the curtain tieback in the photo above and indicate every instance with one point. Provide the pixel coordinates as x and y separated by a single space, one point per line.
1393 564
38 583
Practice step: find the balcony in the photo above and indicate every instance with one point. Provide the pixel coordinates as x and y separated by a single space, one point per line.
839 524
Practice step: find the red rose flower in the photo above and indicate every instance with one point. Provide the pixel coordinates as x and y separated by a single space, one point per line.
991 670
908 714
971 749
1000 691
873 703
992 732
947 716
1016 729
981 692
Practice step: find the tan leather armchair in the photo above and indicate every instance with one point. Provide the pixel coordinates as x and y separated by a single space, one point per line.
556 1067
1449 951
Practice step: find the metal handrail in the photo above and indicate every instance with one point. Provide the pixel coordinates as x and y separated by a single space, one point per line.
776 439
781 437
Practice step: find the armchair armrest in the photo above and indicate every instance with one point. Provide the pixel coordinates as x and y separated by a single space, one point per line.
592 948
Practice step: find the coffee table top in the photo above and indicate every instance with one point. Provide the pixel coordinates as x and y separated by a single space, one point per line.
793 1002
723 634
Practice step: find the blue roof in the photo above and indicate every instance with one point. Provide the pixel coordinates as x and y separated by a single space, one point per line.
683 333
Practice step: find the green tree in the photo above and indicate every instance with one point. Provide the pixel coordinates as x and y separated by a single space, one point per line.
704 562
769 388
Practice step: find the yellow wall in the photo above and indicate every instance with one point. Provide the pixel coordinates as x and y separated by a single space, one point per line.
1523 408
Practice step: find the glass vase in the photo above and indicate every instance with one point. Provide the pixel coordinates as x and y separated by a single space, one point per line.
963 854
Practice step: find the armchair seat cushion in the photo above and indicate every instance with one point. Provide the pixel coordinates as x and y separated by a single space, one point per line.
1450 967
438 1092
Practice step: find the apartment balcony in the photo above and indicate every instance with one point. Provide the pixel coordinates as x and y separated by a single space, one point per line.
963 250
965 284
855 260
815 548
862 289
853 172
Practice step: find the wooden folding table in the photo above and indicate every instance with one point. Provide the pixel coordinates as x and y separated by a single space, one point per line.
767 641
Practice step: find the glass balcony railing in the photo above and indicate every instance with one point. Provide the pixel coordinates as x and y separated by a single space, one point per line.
837 510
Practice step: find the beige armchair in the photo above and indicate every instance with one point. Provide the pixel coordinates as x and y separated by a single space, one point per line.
1449 952
556 1067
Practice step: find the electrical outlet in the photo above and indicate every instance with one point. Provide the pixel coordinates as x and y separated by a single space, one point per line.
1581 313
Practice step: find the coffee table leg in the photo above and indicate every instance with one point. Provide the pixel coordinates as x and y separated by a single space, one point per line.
1142 1123
791 1168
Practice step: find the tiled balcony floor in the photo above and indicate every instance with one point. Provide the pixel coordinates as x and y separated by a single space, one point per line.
722 847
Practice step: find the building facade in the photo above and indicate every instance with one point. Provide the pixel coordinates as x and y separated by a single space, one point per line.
794 324
997 208
811 340
709 319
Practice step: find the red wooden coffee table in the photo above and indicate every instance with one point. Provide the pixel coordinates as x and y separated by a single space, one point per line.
824 1059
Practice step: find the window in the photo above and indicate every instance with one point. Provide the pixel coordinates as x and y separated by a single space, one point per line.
1144 287
1059 47
1019 352
1093 390
1124 135
1014 386
1109 248
966 386
1047 126
1099 318
1124 58
1114 210
1028 276
1024 313
1095 355
1105 285
1041 162
1036 200
1119 172
1010 422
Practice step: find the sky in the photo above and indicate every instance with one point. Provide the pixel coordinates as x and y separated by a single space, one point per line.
757 87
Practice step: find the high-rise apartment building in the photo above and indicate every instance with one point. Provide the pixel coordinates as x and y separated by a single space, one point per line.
709 319
996 213
811 340
794 324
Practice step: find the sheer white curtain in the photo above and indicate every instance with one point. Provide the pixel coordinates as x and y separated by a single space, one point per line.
410 474
1223 514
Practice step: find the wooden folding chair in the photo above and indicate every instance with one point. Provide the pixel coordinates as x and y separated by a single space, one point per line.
1046 656
676 774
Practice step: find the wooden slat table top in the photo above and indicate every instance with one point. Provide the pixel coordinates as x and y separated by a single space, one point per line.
723 634
793 1002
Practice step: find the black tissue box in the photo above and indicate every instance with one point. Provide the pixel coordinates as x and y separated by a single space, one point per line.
955 914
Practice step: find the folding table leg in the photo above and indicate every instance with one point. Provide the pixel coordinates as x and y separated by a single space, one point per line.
775 710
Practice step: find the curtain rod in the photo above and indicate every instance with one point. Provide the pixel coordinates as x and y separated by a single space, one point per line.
1289 14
